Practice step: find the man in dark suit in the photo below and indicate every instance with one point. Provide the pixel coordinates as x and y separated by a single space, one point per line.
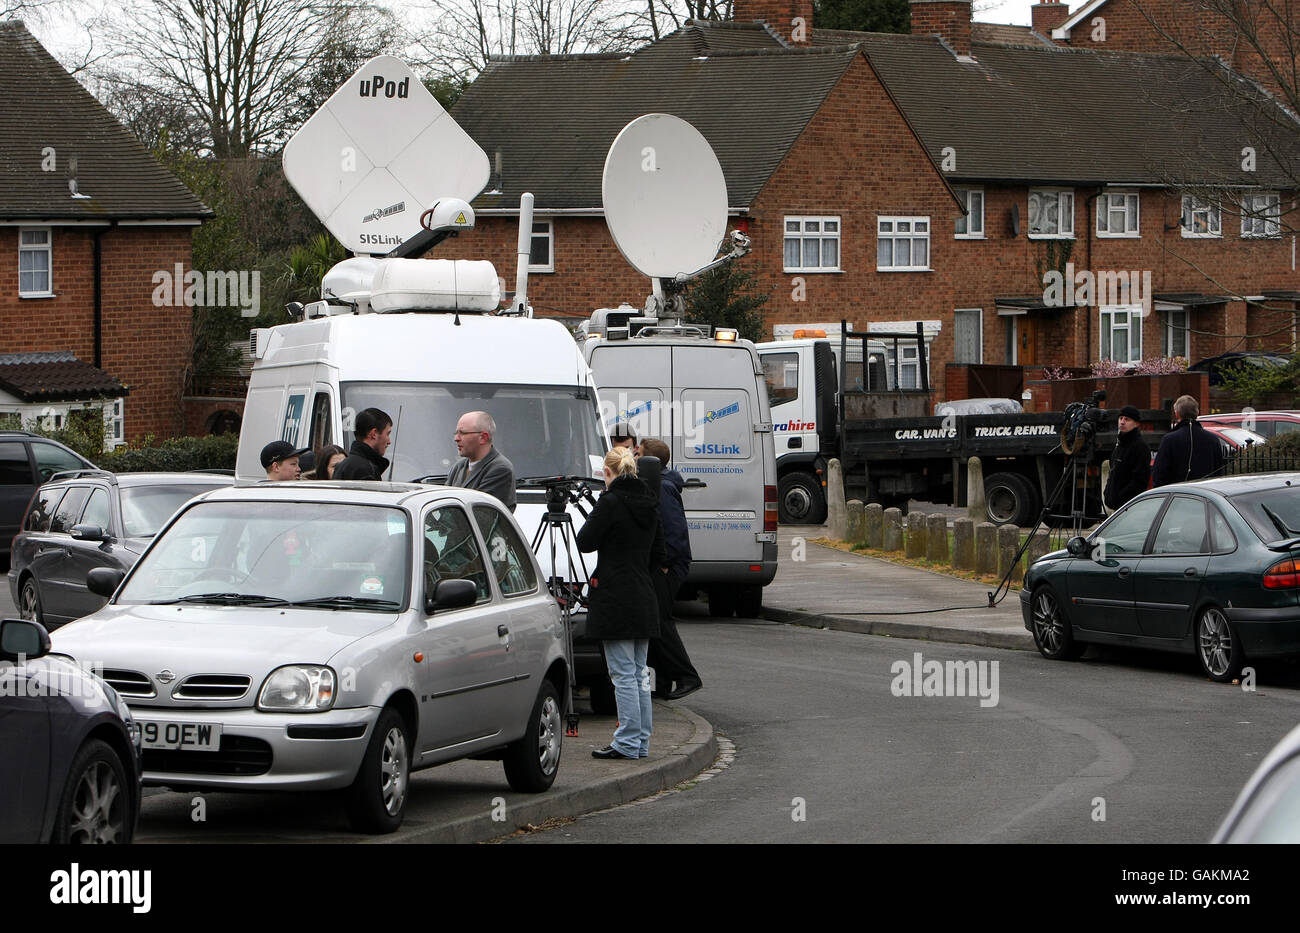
1130 463
481 466
1188 451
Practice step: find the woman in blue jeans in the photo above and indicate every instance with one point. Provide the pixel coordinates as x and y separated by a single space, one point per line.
622 609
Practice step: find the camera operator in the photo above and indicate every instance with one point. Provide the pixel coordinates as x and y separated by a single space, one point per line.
1130 462
1188 451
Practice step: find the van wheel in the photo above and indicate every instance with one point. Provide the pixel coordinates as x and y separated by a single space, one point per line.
376 801
1011 499
532 762
801 500
749 602
722 600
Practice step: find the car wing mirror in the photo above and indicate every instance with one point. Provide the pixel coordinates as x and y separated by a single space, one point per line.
450 594
1077 546
20 638
89 533
104 581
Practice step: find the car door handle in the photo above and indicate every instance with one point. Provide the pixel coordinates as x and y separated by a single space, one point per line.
796 442
502 631
1190 572
1125 571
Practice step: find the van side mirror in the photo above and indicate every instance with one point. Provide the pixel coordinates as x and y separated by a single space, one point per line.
449 594
20 638
104 581
1077 546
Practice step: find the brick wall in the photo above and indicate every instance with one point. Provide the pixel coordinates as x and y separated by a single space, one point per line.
779 15
146 348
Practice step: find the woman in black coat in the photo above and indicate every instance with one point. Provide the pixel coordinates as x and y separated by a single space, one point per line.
622 609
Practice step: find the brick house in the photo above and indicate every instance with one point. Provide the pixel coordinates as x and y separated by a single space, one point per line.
88 217
937 177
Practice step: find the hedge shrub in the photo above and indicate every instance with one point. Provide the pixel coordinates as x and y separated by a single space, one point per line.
216 452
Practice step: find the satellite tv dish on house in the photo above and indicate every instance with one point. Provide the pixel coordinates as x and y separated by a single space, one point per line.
1015 220
665 197
377 154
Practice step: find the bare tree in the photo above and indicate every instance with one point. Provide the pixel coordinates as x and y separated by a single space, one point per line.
238 65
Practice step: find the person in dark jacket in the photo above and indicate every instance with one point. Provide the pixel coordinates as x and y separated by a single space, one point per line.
374 432
1188 451
622 609
1130 462
667 653
481 466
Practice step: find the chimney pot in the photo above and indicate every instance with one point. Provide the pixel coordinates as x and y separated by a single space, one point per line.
1048 15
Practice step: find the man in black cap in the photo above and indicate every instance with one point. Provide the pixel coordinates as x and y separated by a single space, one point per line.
280 460
1130 462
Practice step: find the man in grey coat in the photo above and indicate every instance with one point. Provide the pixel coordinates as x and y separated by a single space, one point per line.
481 466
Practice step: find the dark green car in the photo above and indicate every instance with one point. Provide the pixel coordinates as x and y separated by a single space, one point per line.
1210 567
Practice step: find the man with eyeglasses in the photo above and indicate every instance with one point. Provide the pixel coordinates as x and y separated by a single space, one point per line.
481 466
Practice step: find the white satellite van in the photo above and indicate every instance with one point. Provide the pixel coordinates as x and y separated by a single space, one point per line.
704 395
389 346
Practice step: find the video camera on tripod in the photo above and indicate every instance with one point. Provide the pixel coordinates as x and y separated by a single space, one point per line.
568 580
1082 419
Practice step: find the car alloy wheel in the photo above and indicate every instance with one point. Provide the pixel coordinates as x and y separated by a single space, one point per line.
29 602
1217 646
95 808
1052 633
393 770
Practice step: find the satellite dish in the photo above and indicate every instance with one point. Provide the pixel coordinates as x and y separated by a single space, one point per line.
377 154
665 197
1015 220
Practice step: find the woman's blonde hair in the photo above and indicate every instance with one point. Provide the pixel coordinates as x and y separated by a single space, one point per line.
620 462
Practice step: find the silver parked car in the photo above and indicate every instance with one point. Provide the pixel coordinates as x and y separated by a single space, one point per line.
320 636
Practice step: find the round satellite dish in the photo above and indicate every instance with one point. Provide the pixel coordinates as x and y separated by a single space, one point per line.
665 197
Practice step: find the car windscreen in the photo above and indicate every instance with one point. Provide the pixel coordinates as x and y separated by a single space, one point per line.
541 430
1265 510
145 509
338 555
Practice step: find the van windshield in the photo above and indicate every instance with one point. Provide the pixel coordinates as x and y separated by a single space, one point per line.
542 430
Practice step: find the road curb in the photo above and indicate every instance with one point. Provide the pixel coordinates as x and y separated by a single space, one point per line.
1022 641
686 761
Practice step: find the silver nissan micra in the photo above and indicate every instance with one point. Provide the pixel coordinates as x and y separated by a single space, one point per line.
323 636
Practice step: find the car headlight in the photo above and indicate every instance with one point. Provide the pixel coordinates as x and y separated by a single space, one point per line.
298 688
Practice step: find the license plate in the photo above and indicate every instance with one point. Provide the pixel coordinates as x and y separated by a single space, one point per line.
195 736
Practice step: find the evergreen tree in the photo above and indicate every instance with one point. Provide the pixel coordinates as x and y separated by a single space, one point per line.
863 15
728 296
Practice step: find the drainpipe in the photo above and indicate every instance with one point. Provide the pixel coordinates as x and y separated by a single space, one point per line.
1087 312
97 253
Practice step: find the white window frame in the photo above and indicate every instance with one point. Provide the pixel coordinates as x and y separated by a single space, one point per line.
1132 219
1264 209
1192 206
115 423
812 227
1181 332
975 230
549 236
908 363
46 248
979 317
1106 327
1011 337
911 235
1062 213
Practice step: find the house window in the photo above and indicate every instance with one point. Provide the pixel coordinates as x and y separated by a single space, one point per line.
908 363
35 252
1175 334
1201 218
1051 213
971 226
968 335
541 254
1121 333
116 431
903 244
812 244
1261 215
1117 214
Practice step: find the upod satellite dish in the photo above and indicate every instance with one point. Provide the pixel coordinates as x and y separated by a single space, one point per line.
665 197
377 154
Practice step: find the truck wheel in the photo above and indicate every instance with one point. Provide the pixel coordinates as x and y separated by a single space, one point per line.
722 600
801 500
749 602
1011 499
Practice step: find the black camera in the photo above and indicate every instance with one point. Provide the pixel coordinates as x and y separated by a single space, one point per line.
1082 420
563 491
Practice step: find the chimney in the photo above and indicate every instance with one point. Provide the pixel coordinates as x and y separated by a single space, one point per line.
950 19
1048 15
792 20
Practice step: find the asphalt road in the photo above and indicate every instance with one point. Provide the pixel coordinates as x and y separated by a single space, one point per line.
1139 738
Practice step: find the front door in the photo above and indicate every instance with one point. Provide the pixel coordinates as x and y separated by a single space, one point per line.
1027 353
